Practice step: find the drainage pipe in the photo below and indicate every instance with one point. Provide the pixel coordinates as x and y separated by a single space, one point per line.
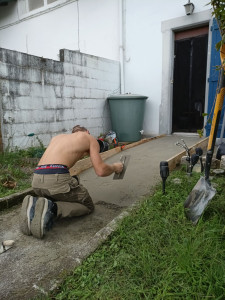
121 46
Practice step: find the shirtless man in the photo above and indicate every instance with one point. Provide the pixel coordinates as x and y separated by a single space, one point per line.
59 194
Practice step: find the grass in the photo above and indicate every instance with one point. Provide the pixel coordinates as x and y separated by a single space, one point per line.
16 170
156 253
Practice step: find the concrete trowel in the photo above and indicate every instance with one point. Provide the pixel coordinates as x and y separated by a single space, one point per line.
124 159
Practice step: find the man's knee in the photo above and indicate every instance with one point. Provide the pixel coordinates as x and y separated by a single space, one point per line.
89 204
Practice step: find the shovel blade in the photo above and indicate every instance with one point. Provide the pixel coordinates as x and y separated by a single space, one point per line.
198 199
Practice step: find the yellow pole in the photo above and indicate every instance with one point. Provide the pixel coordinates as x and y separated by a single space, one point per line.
216 114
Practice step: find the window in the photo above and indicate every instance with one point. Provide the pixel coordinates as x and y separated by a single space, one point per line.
50 1
30 7
34 4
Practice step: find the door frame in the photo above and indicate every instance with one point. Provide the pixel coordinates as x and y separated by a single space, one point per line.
168 28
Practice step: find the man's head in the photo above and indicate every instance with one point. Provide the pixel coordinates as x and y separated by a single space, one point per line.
79 128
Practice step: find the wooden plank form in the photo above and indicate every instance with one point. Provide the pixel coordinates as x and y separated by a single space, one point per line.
86 163
125 147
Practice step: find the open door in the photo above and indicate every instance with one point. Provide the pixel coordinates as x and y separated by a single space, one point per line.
190 61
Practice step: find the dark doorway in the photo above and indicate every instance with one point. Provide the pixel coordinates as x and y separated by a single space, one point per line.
190 60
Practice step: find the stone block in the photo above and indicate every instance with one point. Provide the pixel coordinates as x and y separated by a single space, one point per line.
222 162
27 102
64 114
16 88
68 92
92 62
68 69
80 71
82 93
92 83
58 91
70 80
50 78
3 71
98 94
79 58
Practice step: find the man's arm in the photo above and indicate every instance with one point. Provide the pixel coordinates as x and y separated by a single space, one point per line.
102 169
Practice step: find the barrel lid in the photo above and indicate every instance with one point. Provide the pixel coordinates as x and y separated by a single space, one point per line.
126 96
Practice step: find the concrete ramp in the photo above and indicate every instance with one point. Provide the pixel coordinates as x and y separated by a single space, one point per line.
32 267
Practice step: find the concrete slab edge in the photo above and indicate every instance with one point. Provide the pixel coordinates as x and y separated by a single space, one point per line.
82 165
14 199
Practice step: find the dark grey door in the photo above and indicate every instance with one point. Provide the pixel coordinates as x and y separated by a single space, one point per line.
190 60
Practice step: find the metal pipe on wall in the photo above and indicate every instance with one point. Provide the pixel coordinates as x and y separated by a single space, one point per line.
121 47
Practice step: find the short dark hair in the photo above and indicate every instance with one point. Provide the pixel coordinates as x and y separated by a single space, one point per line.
78 128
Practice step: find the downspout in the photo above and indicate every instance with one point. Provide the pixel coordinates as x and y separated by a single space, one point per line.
121 46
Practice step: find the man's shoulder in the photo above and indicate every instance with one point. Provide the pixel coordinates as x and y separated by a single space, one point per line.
81 135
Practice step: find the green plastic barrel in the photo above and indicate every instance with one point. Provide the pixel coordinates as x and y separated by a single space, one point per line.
127 115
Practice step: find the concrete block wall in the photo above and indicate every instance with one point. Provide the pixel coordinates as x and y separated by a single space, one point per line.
48 97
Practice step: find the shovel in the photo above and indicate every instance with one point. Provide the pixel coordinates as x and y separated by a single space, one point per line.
203 192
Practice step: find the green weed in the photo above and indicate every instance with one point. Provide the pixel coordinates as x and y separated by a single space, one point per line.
16 169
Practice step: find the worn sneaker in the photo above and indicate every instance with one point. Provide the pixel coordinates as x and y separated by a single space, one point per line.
27 214
43 217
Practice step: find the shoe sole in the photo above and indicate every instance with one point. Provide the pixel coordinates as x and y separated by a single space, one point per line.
24 215
37 224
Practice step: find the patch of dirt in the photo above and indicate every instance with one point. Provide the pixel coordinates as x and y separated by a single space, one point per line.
110 205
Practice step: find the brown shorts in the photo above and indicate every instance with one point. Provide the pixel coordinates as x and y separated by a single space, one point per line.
62 188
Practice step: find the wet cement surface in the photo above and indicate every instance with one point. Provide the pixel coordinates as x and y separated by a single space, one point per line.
33 267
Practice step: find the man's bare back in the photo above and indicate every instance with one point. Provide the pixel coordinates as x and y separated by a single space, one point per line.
67 149
57 193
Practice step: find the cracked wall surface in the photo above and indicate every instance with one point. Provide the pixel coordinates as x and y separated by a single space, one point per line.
45 97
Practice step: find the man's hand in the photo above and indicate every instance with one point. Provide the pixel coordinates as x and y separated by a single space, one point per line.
118 167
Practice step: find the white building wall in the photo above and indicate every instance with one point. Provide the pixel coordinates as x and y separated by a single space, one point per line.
144 50
93 27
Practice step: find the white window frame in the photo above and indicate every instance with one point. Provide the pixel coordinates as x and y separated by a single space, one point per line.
23 7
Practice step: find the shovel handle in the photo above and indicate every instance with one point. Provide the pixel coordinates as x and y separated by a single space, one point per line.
216 115
217 112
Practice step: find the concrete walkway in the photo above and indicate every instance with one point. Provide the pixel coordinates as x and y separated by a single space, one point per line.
35 266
